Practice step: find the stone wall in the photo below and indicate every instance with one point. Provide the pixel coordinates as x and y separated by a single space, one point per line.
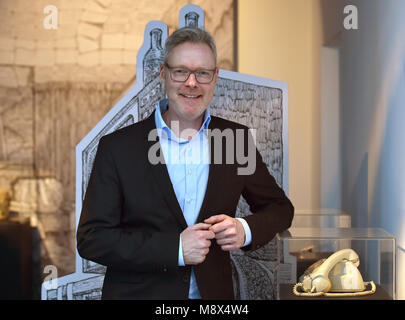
97 33
56 84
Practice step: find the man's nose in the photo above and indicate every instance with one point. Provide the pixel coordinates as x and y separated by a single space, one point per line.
191 81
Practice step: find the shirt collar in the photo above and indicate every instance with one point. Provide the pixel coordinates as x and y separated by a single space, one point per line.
161 107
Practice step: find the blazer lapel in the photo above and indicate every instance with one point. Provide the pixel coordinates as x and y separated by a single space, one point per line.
161 174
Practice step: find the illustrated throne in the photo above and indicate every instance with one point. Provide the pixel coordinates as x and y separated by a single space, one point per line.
258 103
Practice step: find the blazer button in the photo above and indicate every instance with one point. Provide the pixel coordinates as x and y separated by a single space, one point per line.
164 269
186 279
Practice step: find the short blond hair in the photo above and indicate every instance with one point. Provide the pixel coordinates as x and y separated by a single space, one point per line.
189 34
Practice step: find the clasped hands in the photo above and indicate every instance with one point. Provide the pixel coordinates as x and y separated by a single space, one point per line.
196 240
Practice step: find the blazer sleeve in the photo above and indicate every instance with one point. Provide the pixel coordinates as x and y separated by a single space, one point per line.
272 211
100 235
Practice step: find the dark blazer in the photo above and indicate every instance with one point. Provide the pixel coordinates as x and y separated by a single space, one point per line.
131 220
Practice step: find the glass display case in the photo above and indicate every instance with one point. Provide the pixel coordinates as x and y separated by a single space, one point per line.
343 263
321 218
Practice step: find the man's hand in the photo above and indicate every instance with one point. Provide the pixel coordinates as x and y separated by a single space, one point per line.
229 232
195 241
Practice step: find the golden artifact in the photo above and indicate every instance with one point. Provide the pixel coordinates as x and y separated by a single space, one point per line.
336 276
4 204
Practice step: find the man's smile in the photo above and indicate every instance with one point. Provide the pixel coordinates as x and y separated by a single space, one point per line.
189 96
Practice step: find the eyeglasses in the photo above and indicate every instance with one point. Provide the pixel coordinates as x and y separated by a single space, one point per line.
181 74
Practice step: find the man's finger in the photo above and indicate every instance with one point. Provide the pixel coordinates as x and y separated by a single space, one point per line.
201 226
228 248
218 228
209 234
216 219
225 233
226 241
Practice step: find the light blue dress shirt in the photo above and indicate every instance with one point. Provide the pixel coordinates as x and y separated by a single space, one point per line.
187 163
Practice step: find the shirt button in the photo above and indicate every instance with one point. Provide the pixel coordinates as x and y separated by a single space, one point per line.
189 171
188 200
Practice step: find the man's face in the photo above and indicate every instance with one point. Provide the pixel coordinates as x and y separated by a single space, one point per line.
188 100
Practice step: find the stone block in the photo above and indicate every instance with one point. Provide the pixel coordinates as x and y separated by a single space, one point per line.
86 44
89 59
7 29
94 6
7 5
115 27
109 57
67 56
112 41
7 43
68 17
45 44
23 76
104 3
67 31
16 119
129 57
43 195
71 4
55 73
25 57
54 221
42 34
6 57
10 172
94 17
89 30
132 42
26 20
115 18
59 252
45 57
8 78
66 43
25 44
103 74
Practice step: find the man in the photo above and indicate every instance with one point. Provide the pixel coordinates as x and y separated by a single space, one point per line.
160 204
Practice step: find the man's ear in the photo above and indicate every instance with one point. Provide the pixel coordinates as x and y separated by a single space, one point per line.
216 75
162 72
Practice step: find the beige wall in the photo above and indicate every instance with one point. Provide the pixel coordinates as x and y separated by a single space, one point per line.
281 40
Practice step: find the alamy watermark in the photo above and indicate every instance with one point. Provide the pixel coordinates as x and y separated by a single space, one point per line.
50 22
51 280
229 147
351 21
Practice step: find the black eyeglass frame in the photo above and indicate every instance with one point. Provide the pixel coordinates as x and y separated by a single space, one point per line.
191 72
